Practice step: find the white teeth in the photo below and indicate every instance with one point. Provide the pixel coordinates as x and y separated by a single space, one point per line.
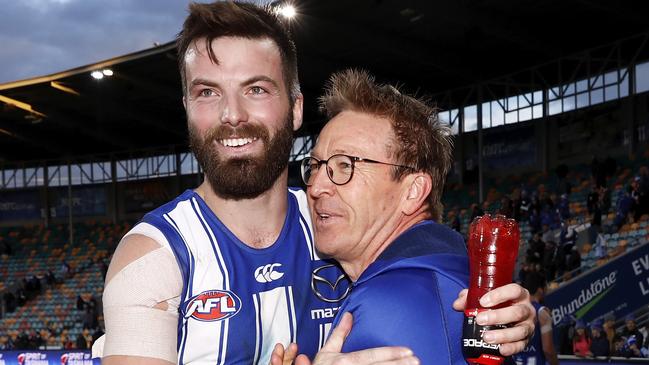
236 142
324 216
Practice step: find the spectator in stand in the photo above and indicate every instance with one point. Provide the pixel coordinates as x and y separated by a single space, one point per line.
506 207
626 347
604 199
567 237
81 304
566 334
50 278
643 175
90 318
635 194
624 207
592 199
534 221
549 217
10 301
536 249
84 340
534 277
630 329
573 261
5 343
485 207
609 329
563 207
550 259
526 204
581 342
522 273
65 341
66 269
476 211
599 346
619 348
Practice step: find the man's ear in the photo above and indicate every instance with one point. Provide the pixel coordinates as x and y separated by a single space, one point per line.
418 188
185 102
297 111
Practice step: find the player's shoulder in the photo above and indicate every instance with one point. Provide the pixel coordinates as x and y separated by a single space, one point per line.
172 204
398 286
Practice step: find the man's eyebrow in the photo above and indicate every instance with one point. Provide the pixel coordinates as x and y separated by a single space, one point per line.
259 78
205 82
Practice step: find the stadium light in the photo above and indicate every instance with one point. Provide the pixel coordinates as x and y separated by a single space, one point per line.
107 72
98 75
287 11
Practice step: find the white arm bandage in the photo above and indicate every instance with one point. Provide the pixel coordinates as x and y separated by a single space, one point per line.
133 326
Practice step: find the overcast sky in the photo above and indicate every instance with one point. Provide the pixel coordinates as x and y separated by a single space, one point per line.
41 37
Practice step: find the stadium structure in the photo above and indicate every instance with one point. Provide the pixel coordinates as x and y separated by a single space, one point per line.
548 102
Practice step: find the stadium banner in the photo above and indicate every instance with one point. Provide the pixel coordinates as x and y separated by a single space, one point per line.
619 287
48 357
87 201
20 205
506 149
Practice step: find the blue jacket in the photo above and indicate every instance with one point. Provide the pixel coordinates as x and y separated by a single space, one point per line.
405 297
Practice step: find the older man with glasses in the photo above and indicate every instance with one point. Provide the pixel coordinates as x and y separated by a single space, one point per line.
374 183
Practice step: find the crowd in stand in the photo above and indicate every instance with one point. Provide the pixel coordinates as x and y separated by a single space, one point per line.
552 252
601 340
53 335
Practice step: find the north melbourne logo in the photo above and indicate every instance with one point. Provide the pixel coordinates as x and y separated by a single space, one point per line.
268 273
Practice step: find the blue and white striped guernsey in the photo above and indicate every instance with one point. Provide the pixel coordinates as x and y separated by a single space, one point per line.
238 302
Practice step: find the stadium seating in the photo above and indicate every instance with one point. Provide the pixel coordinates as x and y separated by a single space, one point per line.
52 311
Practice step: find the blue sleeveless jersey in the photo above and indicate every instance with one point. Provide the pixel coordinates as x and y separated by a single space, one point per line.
533 353
238 302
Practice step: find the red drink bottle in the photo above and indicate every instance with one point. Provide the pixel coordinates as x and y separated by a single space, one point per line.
493 248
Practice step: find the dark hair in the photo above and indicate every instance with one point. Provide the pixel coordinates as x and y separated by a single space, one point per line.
234 19
422 141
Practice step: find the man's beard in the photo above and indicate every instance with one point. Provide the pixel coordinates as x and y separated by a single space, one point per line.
243 177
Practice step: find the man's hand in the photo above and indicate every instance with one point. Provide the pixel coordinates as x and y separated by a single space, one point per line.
519 316
281 357
330 353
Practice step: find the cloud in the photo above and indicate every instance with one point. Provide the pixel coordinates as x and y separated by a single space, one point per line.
41 37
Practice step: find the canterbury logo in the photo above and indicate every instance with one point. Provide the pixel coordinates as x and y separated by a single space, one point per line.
267 273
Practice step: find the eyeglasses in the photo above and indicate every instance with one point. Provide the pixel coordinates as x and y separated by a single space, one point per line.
340 168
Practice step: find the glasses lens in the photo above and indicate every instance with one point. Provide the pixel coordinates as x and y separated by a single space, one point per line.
340 169
307 169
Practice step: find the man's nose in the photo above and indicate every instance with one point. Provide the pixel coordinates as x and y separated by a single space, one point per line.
320 183
234 111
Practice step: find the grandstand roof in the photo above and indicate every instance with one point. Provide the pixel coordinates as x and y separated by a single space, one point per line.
429 46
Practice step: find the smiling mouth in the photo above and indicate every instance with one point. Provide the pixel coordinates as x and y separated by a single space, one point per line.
236 142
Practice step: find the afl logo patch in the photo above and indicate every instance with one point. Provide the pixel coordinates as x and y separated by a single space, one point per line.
213 305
